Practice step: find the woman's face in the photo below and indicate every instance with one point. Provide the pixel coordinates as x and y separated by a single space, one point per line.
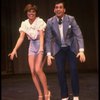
31 14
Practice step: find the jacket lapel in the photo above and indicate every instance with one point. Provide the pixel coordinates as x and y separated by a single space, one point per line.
65 25
56 27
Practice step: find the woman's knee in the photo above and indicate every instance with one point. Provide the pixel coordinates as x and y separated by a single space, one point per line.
33 74
38 70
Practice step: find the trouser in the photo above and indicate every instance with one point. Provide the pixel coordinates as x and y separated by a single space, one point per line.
66 54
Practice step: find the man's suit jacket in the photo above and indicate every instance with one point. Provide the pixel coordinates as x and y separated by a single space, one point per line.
72 34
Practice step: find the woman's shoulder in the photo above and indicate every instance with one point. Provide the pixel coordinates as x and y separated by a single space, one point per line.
40 19
25 21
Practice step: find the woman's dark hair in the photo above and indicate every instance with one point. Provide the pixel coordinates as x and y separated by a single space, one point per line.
29 7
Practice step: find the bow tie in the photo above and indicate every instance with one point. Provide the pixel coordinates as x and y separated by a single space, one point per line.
60 21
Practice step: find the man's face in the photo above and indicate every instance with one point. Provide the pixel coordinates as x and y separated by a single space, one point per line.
59 10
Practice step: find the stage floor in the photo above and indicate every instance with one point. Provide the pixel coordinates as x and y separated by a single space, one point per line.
21 87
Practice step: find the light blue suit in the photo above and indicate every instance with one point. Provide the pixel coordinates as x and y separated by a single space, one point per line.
73 40
72 34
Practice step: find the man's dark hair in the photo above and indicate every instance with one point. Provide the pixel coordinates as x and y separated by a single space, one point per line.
60 1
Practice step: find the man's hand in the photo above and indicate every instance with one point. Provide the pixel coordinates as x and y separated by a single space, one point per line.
49 60
81 56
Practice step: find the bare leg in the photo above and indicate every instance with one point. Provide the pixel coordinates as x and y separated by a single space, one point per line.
31 60
41 74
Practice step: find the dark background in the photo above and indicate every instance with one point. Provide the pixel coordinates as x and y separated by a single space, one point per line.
85 13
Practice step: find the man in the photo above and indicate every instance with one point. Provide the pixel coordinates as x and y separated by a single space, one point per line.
64 41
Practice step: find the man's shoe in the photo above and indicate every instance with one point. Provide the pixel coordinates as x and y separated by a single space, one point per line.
75 98
65 99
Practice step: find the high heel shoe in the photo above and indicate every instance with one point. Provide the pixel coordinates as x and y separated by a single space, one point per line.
40 97
47 96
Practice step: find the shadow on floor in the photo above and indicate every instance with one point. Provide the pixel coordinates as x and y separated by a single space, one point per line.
21 87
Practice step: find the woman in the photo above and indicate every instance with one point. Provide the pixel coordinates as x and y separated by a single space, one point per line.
34 28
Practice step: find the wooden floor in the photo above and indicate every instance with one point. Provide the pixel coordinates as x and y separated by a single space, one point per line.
21 87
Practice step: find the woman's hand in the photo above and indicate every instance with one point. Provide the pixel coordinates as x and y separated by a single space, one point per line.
12 54
41 51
